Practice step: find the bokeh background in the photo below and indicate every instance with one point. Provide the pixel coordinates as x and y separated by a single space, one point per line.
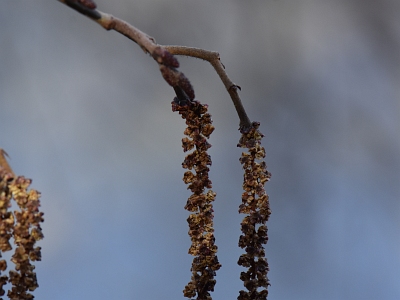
86 114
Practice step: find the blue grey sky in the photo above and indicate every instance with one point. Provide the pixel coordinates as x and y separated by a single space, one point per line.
85 114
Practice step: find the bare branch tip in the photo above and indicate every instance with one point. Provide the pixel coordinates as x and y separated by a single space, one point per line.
3 161
4 153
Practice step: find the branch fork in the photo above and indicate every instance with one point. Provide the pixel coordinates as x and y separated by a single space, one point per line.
164 56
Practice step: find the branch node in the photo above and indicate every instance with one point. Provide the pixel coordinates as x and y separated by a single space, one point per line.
235 87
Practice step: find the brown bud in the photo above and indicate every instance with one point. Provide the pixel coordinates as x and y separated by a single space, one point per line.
162 56
88 4
185 84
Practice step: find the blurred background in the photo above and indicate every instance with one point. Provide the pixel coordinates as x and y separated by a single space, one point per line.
86 114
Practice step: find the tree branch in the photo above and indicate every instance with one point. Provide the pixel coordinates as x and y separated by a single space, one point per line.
163 55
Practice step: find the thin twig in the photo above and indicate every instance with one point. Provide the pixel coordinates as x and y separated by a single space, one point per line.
164 54
214 59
